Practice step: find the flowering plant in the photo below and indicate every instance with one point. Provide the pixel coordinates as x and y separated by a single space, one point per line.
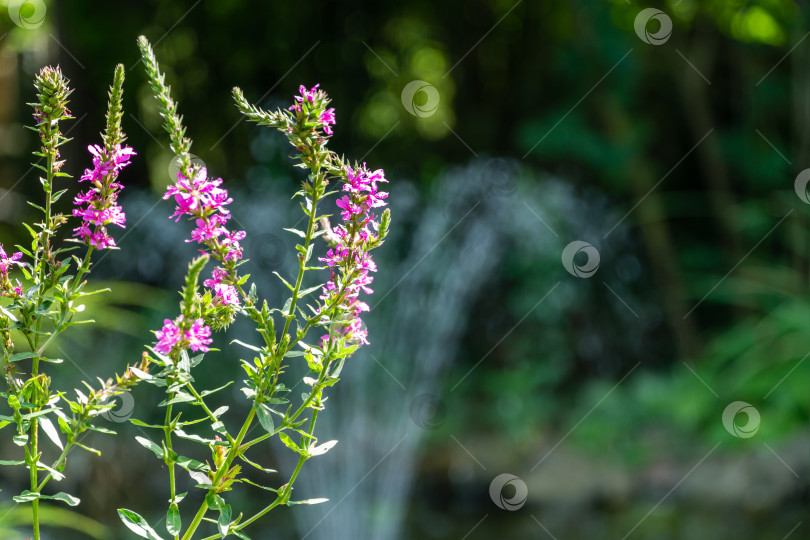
320 323
34 312
334 315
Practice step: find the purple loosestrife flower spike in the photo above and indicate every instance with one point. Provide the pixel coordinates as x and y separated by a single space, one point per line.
98 207
307 123
203 201
349 256
197 197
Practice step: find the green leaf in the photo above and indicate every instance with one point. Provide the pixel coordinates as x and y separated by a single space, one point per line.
305 292
50 431
181 397
197 359
36 414
191 437
308 501
188 463
11 463
26 496
173 523
288 442
137 524
246 460
264 416
146 443
89 449
284 281
144 424
63 423
224 521
247 345
185 361
286 309
53 472
201 478
322 448
21 356
209 392
220 411
67 498
252 483
21 439
144 376
56 196
102 430
302 234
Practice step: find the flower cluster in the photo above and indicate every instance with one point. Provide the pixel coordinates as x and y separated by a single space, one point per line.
202 199
197 337
352 241
313 101
6 262
98 207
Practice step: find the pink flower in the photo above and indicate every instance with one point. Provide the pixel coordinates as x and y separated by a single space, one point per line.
98 206
199 337
327 119
216 277
7 262
225 295
206 230
122 156
202 199
351 254
308 95
84 198
349 208
100 240
361 181
168 337
231 241
199 196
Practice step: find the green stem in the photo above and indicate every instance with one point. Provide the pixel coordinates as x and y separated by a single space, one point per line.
34 475
197 519
83 269
167 432
56 464
251 520
302 262
44 239
222 470
285 496
299 411
314 318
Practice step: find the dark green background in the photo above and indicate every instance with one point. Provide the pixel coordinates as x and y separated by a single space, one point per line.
701 297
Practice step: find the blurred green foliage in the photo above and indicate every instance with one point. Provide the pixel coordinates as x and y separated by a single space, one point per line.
698 141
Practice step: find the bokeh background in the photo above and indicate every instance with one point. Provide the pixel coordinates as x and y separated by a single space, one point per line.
670 144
